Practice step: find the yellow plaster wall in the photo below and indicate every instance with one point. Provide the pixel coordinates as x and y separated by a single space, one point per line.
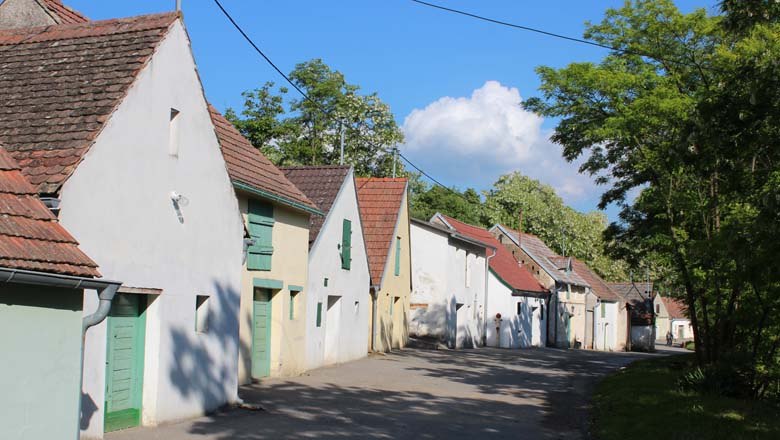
290 265
393 331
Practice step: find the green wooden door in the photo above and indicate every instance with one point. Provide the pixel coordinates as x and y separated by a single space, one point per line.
261 334
124 362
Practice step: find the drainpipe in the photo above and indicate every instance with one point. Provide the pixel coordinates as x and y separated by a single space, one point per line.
374 295
106 291
595 327
485 305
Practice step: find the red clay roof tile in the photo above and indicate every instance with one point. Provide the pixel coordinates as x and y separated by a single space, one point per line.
675 308
59 85
247 165
30 236
63 14
597 284
380 205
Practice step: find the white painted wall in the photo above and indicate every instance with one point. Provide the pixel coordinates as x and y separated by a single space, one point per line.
606 329
117 204
515 331
347 325
447 307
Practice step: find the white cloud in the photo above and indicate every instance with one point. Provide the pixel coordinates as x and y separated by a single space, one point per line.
491 132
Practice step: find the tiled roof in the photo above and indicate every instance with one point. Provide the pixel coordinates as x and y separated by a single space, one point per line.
60 84
675 308
380 204
597 285
63 14
321 184
30 236
247 165
637 295
544 257
503 264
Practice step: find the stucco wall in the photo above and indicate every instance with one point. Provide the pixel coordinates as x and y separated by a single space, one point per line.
662 322
606 329
118 205
392 330
40 336
289 265
642 338
23 13
514 331
346 338
448 307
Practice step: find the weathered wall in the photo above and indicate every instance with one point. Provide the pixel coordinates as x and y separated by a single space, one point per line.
118 205
347 338
452 310
606 328
23 13
662 321
392 329
289 265
642 338
514 331
40 336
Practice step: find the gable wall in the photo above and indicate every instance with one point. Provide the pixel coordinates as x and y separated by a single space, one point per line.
351 332
23 13
118 206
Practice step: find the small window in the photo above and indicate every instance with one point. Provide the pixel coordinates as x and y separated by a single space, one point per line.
357 307
346 244
173 141
501 239
603 310
468 271
657 309
201 314
397 256
293 295
319 314
325 282
568 293
392 305
541 312
519 309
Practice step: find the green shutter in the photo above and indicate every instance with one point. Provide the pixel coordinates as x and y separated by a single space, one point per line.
397 256
260 221
603 310
319 314
346 245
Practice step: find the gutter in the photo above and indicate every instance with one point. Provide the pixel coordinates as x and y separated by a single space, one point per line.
106 291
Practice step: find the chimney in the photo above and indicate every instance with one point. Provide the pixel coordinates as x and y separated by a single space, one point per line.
178 5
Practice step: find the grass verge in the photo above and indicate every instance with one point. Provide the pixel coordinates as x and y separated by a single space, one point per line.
643 402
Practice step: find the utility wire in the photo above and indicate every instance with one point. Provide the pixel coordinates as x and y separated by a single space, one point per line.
317 104
547 33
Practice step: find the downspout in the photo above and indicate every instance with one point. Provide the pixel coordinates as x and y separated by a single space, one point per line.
585 325
106 292
485 305
374 294
595 327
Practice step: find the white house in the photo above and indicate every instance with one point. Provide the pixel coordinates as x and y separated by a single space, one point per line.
515 303
606 315
448 285
671 316
638 301
111 124
337 302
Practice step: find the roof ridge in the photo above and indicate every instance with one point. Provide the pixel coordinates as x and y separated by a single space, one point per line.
61 27
313 167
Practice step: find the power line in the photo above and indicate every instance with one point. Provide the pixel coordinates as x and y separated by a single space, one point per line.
547 33
317 104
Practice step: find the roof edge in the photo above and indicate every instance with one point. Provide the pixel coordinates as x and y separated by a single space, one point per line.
274 197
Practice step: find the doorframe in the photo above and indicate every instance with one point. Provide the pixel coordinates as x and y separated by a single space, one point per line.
143 306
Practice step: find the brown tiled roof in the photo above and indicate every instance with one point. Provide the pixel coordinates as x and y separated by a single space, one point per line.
30 236
508 269
597 284
60 84
544 257
675 308
321 184
380 204
637 296
248 166
63 14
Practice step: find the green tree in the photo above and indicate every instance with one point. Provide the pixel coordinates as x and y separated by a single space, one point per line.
301 131
465 206
686 110
566 231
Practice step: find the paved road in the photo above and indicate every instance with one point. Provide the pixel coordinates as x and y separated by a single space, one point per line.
417 394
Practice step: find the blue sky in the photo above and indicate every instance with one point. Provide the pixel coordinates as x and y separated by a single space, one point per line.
445 70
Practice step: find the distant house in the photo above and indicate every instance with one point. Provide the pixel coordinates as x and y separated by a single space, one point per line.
671 316
515 309
29 13
607 318
639 304
110 123
274 299
384 212
567 324
448 285
337 300
43 276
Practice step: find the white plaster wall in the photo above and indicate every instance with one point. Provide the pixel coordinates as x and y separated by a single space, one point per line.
642 337
454 307
117 204
351 334
516 331
674 324
606 328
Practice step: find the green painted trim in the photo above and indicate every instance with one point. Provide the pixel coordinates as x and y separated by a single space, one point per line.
294 288
501 280
319 314
268 321
267 283
276 198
